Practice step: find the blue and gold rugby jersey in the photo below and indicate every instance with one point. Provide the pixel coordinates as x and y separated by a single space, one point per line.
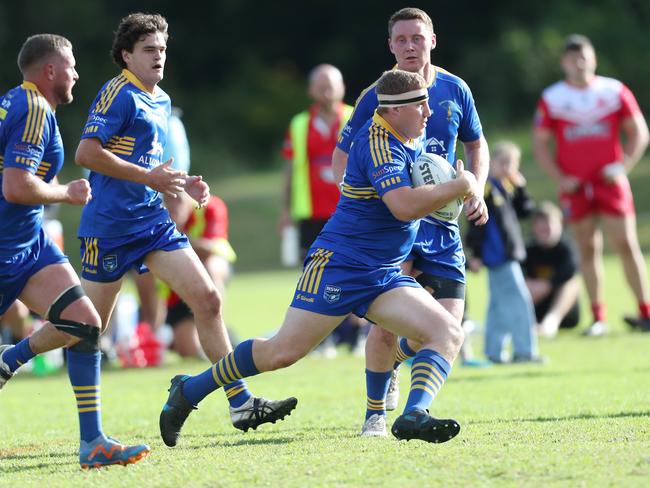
453 116
131 123
29 140
362 227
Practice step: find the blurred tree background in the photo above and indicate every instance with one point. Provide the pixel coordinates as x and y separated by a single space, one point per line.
237 68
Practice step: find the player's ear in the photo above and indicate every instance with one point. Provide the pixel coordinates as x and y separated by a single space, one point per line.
433 42
50 70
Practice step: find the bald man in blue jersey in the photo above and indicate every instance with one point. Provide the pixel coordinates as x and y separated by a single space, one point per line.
437 259
32 268
353 266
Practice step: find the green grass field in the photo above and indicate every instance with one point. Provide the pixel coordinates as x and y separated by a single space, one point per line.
581 420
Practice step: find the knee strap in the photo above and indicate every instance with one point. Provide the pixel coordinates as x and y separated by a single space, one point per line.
86 332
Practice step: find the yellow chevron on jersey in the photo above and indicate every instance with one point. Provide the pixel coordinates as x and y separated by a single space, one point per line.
36 111
30 163
42 170
311 276
390 182
378 140
91 253
121 145
365 192
110 92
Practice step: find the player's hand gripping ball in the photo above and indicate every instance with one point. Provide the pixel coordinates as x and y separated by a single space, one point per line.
431 169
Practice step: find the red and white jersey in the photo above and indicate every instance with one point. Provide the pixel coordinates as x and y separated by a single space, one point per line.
586 124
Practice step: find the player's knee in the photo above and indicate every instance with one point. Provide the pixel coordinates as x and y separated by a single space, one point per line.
453 335
623 246
285 358
208 302
382 336
81 319
457 336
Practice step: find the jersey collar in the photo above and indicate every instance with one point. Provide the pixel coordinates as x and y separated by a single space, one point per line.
434 70
134 79
378 119
28 85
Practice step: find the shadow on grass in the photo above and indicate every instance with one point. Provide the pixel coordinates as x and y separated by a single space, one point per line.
208 441
297 435
511 375
38 460
580 416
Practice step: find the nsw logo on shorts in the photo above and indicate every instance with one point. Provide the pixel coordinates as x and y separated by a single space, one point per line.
109 263
332 294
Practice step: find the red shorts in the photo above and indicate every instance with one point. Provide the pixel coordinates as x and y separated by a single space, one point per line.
598 197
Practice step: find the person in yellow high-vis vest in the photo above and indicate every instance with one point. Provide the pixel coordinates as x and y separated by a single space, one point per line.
310 192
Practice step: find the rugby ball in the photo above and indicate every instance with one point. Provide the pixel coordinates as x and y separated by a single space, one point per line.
431 169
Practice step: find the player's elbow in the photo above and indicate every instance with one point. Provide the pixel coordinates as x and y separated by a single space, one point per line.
14 191
86 152
11 194
80 157
404 213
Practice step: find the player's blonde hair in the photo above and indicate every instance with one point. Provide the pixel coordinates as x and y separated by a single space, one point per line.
548 210
38 48
505 149
409 13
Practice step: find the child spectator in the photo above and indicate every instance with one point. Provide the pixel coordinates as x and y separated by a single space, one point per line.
499 246
551 268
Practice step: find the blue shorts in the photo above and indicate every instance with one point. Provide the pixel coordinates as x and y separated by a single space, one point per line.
333 284
107 259
16 271
438 252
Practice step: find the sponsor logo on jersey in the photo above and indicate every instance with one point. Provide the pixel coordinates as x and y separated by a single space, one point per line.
450 107
384 171
156 147
598 129
436 146
96 119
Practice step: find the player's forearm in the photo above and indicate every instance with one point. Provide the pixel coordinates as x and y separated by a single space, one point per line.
27 189
415 203
477 155
93 156
545 158
339 163
636 142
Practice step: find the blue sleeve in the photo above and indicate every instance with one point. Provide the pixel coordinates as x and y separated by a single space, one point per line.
363 111
470 127
22 149
391 174
110 121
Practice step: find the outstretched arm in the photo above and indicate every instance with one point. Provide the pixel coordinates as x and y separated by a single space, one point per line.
92 155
